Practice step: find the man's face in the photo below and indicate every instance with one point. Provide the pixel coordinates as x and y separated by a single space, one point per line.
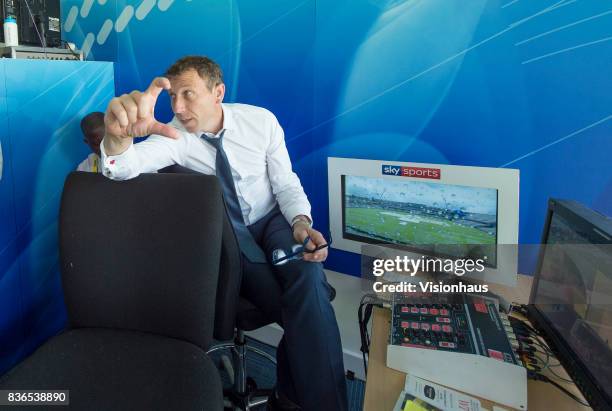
194 105
93 138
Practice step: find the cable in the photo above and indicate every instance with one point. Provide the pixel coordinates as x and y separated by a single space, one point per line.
569 394
531 342
520 323
67 45
539 377
364 313
559 377
42 41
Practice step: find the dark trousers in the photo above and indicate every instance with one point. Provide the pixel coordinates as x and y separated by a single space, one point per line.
310 368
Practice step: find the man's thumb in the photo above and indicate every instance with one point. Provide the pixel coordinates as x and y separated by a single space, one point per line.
165 130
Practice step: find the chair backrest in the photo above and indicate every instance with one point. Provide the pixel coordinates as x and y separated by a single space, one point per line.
142 254
230 272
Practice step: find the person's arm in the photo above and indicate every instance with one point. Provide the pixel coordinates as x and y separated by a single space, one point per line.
148 156
132 115
290 194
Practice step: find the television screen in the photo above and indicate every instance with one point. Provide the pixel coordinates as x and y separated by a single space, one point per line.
436 219
572 292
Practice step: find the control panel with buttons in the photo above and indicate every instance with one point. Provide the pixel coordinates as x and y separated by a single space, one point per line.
469 324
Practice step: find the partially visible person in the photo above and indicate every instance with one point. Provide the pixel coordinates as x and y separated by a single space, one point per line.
92 126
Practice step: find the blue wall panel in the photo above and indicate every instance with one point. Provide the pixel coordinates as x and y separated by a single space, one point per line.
45 101
471 84
11 314
486 83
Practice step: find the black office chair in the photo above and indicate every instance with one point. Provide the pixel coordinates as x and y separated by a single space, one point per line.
236 315
140 265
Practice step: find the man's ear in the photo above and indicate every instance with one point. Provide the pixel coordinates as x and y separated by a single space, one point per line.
219 93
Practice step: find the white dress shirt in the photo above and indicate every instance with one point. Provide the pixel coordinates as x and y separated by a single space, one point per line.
254 143
90 164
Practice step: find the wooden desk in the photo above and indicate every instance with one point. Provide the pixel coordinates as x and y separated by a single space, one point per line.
384 384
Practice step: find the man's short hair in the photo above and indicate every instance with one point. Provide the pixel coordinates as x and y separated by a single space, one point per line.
91 121
207 69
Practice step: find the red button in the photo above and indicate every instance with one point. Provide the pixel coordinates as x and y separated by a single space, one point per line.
435 327
443 312
415 325
447 344
496 354
414 310
447 328
405 324
425 326
423 310
443 319
433 311
405 309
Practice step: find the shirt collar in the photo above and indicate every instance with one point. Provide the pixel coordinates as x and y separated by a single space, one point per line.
228 117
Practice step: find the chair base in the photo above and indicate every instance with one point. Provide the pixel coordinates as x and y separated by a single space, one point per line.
244 394
246 401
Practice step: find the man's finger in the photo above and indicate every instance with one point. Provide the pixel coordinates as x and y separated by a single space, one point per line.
143 104
320 255
117 109
165 130
130 107
316 239
317 256
157 85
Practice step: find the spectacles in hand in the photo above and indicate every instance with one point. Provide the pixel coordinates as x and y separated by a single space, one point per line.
280 257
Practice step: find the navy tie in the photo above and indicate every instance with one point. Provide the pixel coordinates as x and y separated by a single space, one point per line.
247 244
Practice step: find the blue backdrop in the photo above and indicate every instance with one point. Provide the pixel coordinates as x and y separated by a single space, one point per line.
521 84
41 105
511 83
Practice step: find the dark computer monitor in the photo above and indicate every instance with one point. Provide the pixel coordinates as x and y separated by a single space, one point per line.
39 22
571 297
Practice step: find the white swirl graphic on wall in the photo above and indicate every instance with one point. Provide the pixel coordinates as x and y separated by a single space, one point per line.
71 19
124 18
145 7
104 32
86 7
164 5
87 43
120 24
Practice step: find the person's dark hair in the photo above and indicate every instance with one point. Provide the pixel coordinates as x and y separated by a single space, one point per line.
206 68
91 122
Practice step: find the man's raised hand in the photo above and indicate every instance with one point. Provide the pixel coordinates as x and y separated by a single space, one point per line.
132 115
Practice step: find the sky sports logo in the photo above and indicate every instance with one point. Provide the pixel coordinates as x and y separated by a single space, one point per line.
417 172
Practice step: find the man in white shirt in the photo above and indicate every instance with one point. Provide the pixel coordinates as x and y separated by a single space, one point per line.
92 126
244 146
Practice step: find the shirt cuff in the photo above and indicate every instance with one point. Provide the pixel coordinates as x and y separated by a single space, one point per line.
116 167
295 211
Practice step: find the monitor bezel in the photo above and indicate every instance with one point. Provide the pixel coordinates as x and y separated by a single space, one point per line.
598 399
505 180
